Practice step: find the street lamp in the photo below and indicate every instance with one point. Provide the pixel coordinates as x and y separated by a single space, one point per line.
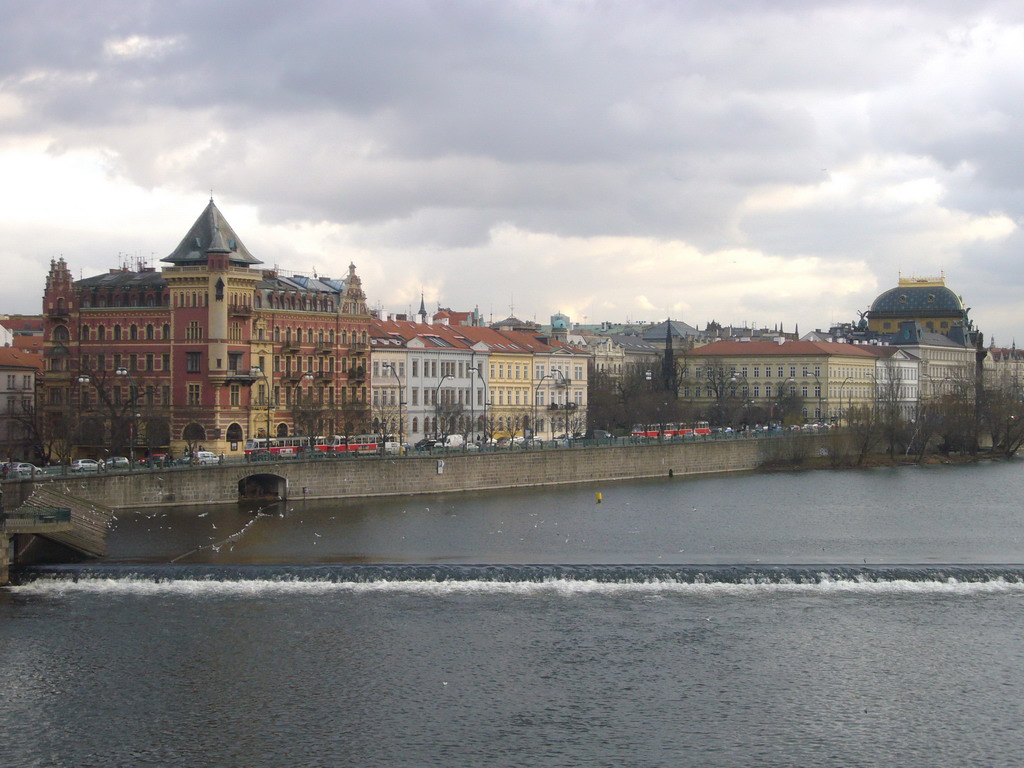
133 396
781 396
259 373
536 390
437 406
565 383
849 404
476 369
401 420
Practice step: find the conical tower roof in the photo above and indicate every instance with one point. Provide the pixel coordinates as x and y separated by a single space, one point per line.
211 232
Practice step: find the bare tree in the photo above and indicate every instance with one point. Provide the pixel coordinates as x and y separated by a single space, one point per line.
863 430
1003 415
888 404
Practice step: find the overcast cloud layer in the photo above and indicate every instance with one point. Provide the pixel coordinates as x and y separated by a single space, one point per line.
761 162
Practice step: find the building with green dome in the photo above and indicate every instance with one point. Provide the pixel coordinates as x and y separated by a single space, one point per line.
925 300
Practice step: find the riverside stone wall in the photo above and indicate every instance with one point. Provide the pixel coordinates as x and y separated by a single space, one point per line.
366 476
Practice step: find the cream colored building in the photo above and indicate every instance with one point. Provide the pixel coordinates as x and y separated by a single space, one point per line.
828 377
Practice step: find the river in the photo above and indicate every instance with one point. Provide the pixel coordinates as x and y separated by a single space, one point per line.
807 618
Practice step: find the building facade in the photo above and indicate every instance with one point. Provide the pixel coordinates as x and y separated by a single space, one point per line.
209 351
18 374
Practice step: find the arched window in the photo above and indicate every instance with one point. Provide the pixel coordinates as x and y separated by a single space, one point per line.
167 331
117 333
344 338
83 333
193 433
133 332
415 424
149 332
101 333
330 336
234 433
60 333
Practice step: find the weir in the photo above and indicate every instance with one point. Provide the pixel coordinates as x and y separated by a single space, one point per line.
48 524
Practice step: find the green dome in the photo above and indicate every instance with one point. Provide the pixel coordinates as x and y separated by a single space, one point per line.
919 301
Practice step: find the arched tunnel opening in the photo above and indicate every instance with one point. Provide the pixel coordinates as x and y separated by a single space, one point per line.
262 487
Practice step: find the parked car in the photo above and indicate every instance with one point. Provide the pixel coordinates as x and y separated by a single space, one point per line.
452 441
425 444
155 460
21 469
117 462
200 457
85 465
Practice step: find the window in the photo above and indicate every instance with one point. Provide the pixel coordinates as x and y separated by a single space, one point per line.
193 362
194 394
236 396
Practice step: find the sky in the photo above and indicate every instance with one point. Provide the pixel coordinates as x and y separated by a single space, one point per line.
769 163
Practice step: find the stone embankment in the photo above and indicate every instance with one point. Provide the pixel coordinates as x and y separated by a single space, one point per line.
410 475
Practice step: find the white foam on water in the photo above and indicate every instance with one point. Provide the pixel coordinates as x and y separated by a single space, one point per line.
566 587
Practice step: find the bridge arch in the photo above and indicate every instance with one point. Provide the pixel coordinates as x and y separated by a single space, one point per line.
263 486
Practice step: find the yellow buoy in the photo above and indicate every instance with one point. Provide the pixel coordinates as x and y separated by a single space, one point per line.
598 496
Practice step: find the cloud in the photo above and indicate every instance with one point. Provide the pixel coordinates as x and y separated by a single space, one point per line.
761 161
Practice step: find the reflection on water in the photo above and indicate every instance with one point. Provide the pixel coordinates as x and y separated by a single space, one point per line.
948 514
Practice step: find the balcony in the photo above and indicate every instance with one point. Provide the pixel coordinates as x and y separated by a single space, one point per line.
562 407
357 374
240 310
224 378
358 348
290 345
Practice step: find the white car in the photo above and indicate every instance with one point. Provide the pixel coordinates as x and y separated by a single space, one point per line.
85 465
206 457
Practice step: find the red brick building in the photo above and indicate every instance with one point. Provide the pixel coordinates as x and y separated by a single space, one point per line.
210 350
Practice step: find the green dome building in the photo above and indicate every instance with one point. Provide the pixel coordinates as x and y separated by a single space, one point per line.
925 300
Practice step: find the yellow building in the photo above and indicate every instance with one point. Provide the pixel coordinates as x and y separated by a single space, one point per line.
767 378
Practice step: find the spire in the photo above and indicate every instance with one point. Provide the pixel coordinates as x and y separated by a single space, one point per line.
210 233
668 362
